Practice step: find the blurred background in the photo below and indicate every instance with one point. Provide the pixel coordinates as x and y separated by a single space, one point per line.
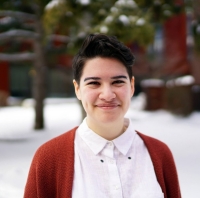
38 40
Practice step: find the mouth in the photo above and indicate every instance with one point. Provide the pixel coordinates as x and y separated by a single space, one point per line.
107 106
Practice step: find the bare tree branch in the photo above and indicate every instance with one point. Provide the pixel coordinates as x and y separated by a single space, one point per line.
27 56
28 25
6 20
18 34
18 15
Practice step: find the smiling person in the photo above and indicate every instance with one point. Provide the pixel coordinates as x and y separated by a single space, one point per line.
104 156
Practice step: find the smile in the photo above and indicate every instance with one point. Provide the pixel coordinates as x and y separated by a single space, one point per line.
107 106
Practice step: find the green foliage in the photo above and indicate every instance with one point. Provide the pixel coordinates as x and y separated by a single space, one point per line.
122 18
60 18
128 22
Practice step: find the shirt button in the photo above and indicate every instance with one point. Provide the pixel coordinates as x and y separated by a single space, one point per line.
110 143
112 161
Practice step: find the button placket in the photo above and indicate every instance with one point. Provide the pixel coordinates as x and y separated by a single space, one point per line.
114 178
112 161
117 187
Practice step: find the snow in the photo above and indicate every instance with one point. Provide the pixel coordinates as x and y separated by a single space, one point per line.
140 22
104 29
181 81
6 20
126 3
124 19
152 83
109 19
52 4
185 80
18 140
114 10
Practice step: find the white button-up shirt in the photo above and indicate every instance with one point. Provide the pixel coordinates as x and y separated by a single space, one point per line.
120 168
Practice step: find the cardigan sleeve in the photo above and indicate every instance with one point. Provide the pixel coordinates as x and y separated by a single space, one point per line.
164 166
51 170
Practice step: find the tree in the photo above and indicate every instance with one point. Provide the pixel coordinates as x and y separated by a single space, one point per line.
36 20
122 18
26 17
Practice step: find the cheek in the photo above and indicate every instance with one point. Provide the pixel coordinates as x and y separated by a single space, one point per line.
125 93
89 95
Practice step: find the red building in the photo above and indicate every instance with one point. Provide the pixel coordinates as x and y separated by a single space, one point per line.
4 82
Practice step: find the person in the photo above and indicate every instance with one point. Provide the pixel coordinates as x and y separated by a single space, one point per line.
104 156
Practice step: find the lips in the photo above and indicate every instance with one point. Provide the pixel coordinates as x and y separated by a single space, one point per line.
107 105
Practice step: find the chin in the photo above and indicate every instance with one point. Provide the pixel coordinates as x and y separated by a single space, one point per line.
110 119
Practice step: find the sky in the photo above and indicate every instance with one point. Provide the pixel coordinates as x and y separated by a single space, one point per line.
18 140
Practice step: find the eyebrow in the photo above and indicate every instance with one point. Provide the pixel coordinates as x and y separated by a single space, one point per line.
97 78
121 76
92 78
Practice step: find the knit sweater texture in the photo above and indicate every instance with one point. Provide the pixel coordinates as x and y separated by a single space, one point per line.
52 169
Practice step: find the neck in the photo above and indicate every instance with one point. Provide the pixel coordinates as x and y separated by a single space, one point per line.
108 131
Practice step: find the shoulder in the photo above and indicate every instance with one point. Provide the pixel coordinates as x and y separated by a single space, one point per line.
57 146
152 141
67 136
52 167
155 146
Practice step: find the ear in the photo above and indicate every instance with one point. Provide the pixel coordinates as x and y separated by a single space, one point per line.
132 85
77 89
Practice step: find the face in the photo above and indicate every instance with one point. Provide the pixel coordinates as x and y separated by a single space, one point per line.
105 90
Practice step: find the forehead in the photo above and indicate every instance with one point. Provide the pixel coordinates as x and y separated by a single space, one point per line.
103 67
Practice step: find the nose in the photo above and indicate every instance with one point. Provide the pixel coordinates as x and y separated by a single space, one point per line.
107 93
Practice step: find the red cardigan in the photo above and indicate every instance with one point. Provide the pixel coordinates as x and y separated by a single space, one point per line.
52 169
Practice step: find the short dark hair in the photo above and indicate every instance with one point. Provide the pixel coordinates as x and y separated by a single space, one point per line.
100 45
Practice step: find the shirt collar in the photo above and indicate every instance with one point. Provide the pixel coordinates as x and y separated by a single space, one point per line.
96 143
125 140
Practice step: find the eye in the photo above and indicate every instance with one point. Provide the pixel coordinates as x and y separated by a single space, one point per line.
93 83
118 82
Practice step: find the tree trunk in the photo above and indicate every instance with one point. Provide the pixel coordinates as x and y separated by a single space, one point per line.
39 83
195 70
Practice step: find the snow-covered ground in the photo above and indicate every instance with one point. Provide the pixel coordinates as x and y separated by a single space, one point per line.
18 140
